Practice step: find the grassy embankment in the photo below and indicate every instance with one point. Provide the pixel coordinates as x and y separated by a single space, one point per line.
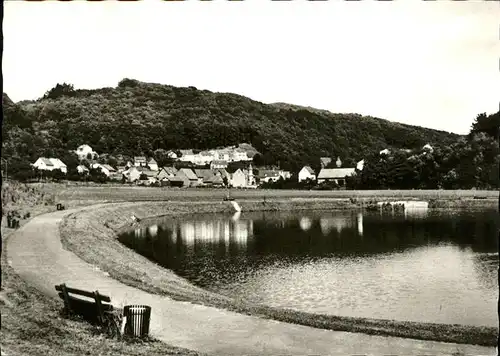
31 322
119 192
92 236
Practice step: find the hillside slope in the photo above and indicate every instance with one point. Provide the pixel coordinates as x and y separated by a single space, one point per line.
137 117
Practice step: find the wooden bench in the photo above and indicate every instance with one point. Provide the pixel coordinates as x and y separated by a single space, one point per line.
95 310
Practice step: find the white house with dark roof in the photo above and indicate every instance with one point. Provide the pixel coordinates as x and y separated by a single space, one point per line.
337 175
50 164
307 173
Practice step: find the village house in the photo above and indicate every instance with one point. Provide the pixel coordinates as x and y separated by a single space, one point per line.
204 175
166 172
285 174
190 179
428 148
222 155
152 164
205 157
336 175
175 181
218 164
171 154
104 168
140 161
306 173
360 165
50 164
324 161
83 151
147 176
81 169
223 173
115 176
215 181
132 174
187 156
385 152
239 179
268 175
240 155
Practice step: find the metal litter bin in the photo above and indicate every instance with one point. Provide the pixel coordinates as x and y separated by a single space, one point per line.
138 317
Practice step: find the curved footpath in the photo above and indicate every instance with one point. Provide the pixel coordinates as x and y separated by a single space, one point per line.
36 254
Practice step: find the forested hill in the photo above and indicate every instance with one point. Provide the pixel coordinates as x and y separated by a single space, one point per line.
139 118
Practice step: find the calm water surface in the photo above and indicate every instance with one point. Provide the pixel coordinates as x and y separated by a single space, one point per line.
433 267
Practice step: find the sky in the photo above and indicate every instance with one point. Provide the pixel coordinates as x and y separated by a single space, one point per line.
432 64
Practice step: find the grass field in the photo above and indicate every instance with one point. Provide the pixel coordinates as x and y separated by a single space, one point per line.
135 193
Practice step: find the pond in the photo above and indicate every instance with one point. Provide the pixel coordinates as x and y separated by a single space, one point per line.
427 266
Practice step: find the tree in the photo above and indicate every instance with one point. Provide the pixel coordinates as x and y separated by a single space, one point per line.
60 90
487 124
96 175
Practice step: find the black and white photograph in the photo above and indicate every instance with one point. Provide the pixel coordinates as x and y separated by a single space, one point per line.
250 177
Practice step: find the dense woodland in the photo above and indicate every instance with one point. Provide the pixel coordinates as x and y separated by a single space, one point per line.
138 118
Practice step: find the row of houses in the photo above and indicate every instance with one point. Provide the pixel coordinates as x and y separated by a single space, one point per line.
220 156
187 177
337 175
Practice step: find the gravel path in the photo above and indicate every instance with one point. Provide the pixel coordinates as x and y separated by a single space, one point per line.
36 254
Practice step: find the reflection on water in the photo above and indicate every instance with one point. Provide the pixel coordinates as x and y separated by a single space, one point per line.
305 223
422 266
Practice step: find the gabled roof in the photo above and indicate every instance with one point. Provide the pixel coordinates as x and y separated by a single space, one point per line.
149 172
215 180
222 172
335 173
152 160
188 173
170 170
108 167
308 169
204 173
47 161
57 162
240 171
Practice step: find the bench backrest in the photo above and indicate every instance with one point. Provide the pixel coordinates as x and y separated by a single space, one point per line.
90 310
